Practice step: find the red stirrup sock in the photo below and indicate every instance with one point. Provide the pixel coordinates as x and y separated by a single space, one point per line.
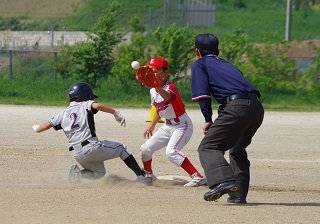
147 166
189 168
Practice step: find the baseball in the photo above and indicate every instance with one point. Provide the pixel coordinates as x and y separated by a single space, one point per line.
135 64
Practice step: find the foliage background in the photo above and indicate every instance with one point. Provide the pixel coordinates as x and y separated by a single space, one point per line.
106 65
254 17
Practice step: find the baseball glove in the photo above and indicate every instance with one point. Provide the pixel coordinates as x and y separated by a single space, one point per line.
147 76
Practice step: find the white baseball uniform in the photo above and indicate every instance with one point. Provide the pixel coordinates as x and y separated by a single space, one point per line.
77 121
175 132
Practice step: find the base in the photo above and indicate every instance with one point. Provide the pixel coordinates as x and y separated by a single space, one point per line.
173 179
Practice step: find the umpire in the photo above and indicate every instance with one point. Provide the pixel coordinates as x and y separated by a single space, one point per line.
240 114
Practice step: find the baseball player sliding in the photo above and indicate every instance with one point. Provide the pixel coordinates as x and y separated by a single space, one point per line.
77 121
177 129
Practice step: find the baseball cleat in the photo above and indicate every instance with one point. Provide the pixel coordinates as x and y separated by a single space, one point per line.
143 179
150 175
74 176
219 190
147 177
196 181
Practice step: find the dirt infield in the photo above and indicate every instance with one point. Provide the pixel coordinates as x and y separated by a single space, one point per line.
285 183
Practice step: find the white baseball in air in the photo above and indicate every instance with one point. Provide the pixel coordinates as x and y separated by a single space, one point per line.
135 64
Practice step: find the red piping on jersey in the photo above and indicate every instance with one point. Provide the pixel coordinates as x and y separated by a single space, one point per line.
200 97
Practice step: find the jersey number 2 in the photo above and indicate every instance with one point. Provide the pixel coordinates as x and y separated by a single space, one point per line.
74 125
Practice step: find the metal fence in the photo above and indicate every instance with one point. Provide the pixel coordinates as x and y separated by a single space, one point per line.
38 40
181 12
18 50
32 64
201 13
39 64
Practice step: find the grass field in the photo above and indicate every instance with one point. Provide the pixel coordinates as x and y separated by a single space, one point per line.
255 18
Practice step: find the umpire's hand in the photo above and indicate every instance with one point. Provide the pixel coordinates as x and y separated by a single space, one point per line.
206 126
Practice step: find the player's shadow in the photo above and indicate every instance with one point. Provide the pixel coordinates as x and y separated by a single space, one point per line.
304 204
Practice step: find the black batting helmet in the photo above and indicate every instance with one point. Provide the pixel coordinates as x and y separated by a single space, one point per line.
81 90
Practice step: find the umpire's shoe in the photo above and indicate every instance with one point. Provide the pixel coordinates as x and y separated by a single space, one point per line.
236 197
237 200
216 192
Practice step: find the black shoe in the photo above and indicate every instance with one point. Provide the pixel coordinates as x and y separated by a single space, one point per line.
223 188
240 200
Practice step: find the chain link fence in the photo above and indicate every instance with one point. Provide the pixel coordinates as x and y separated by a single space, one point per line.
40 64
28 54
194 13
39 40
28 64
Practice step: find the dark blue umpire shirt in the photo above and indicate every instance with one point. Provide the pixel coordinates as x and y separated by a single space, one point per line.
214 76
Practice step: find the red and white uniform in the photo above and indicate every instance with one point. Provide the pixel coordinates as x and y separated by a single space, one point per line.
168 109
177 129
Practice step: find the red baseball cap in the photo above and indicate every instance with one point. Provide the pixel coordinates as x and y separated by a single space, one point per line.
158 62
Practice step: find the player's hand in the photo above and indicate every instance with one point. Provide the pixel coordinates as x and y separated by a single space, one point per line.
148 132
35 127
119 118
205 127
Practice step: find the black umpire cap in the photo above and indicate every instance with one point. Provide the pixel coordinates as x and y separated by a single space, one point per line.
207 42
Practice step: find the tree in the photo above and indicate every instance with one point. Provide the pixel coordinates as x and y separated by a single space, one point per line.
176 45
270 67
90 61
235 46
136 50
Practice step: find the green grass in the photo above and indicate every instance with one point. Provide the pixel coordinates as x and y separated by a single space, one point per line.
256 18
55 93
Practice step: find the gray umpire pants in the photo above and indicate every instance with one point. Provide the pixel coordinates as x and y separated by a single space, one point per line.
233 129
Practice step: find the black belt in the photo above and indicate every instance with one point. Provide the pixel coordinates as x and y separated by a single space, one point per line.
244 96
86 142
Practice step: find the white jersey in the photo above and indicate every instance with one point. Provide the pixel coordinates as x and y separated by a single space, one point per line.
77 122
